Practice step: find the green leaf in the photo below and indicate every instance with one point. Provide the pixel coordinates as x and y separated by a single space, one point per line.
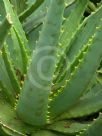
88 104
30 10
44 133
68 127
4 28
95 129
36 89
81 75
24 49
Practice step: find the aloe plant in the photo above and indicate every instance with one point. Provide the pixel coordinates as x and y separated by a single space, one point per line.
50 68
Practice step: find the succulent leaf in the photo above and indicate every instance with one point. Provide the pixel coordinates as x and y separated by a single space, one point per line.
50 67
30 10
68 127
94 129
88 104
4 28
71 93
37 88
